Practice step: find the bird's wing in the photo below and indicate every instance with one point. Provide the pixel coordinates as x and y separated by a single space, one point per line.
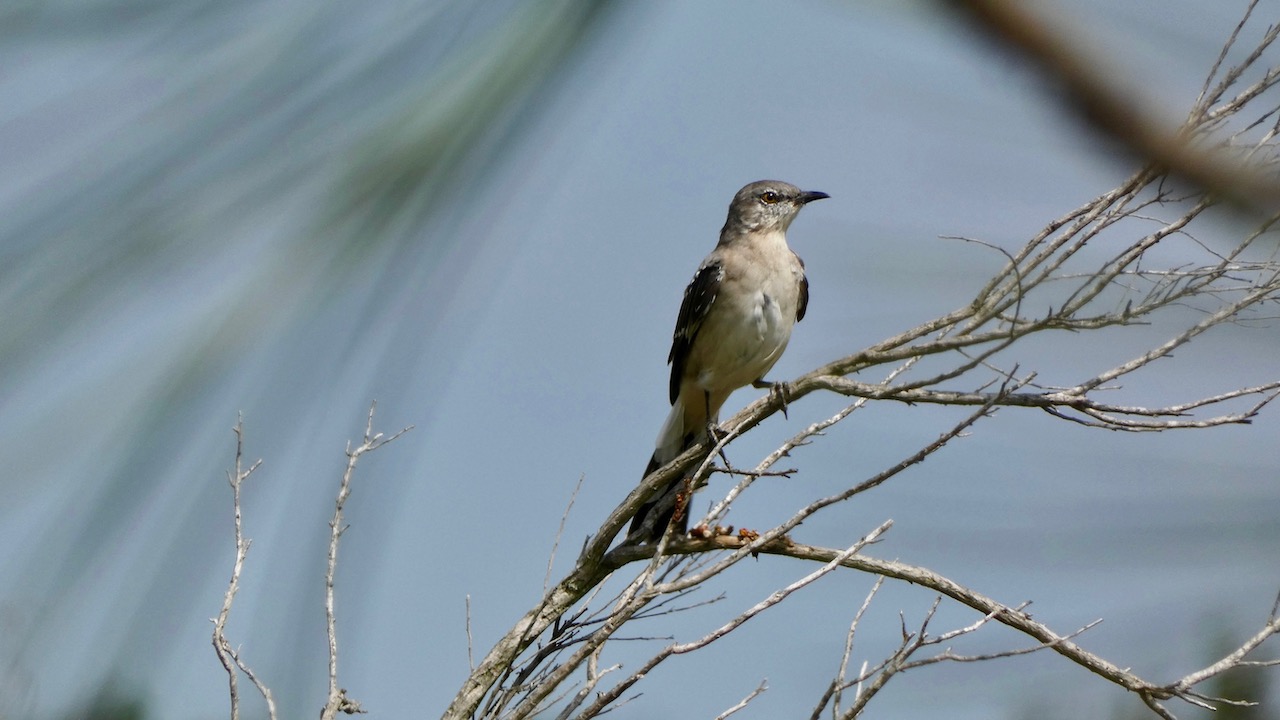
698 299
803 303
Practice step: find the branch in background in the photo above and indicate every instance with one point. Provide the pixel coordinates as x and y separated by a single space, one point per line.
763 686
229 657
1114 112
338 702
835 690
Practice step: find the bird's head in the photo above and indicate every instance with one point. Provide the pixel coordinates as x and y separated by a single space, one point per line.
767 205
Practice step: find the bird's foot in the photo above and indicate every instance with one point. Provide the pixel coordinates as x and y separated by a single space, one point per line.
779 392
714 436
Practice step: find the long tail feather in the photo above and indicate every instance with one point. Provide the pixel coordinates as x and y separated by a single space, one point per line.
673 439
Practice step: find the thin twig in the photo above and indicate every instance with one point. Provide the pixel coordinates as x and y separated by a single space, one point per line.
337 700
764 685
230 658
471 660
776 597
835 689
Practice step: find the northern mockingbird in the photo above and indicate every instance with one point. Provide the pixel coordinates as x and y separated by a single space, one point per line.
734 323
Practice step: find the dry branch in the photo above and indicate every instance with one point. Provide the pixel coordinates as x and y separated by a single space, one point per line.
229 657
337 701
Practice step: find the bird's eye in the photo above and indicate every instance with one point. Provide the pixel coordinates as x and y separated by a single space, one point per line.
769 197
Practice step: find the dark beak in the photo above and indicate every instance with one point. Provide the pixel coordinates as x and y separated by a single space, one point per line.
810 195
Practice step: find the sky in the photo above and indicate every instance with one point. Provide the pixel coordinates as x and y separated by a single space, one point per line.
482 217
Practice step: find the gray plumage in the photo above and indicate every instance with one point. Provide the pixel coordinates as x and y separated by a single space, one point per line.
734 324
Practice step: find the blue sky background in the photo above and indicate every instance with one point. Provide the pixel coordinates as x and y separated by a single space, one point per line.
483 216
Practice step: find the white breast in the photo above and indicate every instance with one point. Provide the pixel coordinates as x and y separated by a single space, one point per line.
745 338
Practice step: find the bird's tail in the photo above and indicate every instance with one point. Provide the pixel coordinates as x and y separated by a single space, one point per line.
673 439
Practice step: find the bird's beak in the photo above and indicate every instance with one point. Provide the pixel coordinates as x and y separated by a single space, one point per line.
810 195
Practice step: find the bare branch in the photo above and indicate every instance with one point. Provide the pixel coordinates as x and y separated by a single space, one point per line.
471 660
801 438
230 658
1114 111
1232 660
546 580
832 695
744 701
778 596
337 701
1074 399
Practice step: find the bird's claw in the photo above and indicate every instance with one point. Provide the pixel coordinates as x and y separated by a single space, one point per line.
714 436
779 392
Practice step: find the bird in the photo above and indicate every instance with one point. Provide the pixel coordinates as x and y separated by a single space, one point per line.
734 323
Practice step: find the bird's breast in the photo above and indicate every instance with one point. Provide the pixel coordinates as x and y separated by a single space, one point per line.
746 337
